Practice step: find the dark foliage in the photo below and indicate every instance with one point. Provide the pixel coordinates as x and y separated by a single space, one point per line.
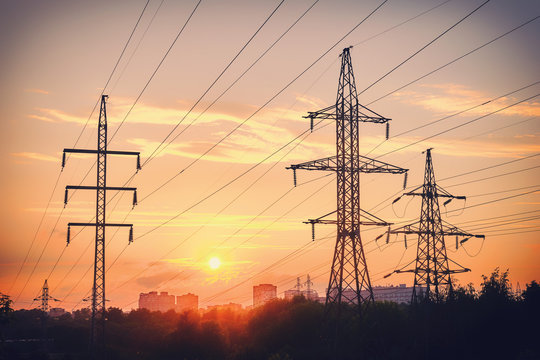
492 323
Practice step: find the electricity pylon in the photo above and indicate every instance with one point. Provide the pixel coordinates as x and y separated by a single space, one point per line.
432 271
349 278
97 334
45 298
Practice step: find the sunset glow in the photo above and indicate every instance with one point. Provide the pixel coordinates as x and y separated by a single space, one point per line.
214 263
217 211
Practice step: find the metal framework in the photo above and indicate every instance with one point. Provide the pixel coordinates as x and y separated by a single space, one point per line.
97 335
45 298
349 278
432 271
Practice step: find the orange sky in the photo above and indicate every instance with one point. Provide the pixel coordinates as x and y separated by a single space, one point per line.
58 55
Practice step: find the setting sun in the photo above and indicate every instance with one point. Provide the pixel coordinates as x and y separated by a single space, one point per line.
214 263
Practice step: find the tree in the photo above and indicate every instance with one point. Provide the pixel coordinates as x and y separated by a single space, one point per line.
531 295
496 287
5 308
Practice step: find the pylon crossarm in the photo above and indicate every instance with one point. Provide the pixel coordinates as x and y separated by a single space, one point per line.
366 165
107 152
413 228
450 229
112 188
364 115
371 219
398 271
326 164
462 270
94 224
374 219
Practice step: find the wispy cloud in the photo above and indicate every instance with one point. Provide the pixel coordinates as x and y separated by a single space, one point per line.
35 156
450 98
36 91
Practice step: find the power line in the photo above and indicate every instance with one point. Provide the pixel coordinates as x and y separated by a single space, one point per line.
268 101
76 142
303 15
137 46
494 176
402 23
156 70
460 125
424 47
36 233
456 59
219 77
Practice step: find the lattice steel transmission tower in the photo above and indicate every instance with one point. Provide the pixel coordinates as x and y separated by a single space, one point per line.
45 298
97 335
432 271
349 278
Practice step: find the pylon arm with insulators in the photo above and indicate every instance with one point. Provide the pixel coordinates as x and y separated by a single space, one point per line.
108 152
371 220
447 230
367 165
94 224
113 188
446 272
441 192
364 115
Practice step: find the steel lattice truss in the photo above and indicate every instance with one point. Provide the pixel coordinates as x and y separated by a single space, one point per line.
45 298
349 278
97 335
432 271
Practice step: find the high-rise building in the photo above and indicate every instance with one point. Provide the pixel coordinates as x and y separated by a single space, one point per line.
156 302
401 294
263 293
187 302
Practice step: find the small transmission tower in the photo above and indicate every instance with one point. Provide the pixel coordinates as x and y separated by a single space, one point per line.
298 285
432 271
308 284
45 298
349 278
97 334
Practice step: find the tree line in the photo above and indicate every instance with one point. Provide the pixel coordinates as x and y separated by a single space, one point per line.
490 323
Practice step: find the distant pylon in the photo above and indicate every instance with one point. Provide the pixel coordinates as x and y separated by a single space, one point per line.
45 298
97 333
432 271
298 285
308 284
349 278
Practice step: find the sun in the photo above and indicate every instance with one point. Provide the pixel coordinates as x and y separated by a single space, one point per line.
214 263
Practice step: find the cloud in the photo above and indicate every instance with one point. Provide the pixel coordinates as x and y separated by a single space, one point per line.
268 130
36 91
36 156
451 98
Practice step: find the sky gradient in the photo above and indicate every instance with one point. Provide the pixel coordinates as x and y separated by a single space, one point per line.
58 55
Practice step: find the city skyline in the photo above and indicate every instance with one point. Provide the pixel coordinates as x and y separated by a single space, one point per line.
217 220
